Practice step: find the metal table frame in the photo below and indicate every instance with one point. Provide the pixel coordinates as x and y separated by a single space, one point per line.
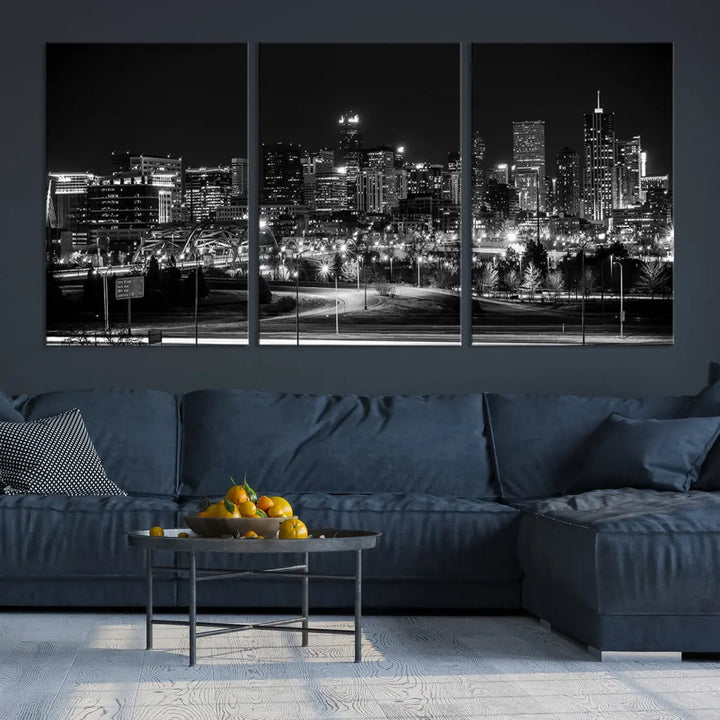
335 541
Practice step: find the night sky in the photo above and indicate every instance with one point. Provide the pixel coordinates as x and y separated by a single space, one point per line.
559 83
190 100
405 95
177 100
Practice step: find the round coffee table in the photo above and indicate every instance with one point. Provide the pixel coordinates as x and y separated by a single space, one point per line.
334 541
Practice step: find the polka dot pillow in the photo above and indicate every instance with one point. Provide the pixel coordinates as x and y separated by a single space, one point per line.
52 456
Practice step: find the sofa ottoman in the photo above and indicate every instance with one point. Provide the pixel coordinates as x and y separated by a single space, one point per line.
626 569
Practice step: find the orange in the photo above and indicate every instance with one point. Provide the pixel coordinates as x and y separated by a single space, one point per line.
280 507
156 531
183 535
248 509
237 494
210 510
252 534
264 502
293 529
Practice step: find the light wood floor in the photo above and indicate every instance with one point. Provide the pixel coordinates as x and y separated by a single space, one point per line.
94 666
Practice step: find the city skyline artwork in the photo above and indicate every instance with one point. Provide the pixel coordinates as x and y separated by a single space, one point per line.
360 195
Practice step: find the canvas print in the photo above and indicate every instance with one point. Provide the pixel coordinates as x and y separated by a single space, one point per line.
572 201
146 194
360 194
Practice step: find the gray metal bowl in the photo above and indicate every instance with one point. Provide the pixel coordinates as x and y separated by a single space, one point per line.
217 527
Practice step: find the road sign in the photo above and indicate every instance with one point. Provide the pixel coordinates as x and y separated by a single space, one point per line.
127 288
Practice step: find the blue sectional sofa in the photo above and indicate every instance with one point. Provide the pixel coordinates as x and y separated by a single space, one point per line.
470 493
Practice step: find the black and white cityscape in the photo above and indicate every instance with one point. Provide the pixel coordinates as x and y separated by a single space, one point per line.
361 192
147 185
572 151
146 207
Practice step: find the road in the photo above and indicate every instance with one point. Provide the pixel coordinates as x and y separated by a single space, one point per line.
496 321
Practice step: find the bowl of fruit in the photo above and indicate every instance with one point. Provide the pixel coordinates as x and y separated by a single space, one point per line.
241 514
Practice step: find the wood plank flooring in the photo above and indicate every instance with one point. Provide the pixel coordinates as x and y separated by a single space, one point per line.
84 666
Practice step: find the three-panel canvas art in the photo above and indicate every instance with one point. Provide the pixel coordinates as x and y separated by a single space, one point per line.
365 213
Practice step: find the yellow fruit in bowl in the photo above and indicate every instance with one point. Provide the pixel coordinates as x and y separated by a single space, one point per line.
227 509
156 531
293 529
264 502
248 509
280 507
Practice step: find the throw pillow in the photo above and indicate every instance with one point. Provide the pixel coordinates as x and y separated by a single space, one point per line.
706 404
52 456
656 454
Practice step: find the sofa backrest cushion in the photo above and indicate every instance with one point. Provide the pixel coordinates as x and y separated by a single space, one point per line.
537 437
8 413
322 443
135 433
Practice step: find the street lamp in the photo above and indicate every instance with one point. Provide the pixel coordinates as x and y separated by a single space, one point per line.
365 278
622 301
324 272
296 260
419 262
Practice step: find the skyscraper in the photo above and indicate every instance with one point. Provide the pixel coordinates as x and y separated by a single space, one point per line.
349 152
239 172
500 173
382 160
478 172
164 172
314 164
370 191
206 189
122 206
282 181
330 191
628 172
67 199
451 191
567 188
529 161
600 158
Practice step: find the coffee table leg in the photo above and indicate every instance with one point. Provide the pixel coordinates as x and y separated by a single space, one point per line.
305 601
192 613
358 606
149 600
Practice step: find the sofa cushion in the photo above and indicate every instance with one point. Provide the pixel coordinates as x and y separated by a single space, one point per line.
536 437
425 537
706 404
135 433
648 453
627 551
8 413
60 537
52 456
305 443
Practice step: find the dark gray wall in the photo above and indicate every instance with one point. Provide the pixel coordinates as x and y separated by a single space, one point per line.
27 365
